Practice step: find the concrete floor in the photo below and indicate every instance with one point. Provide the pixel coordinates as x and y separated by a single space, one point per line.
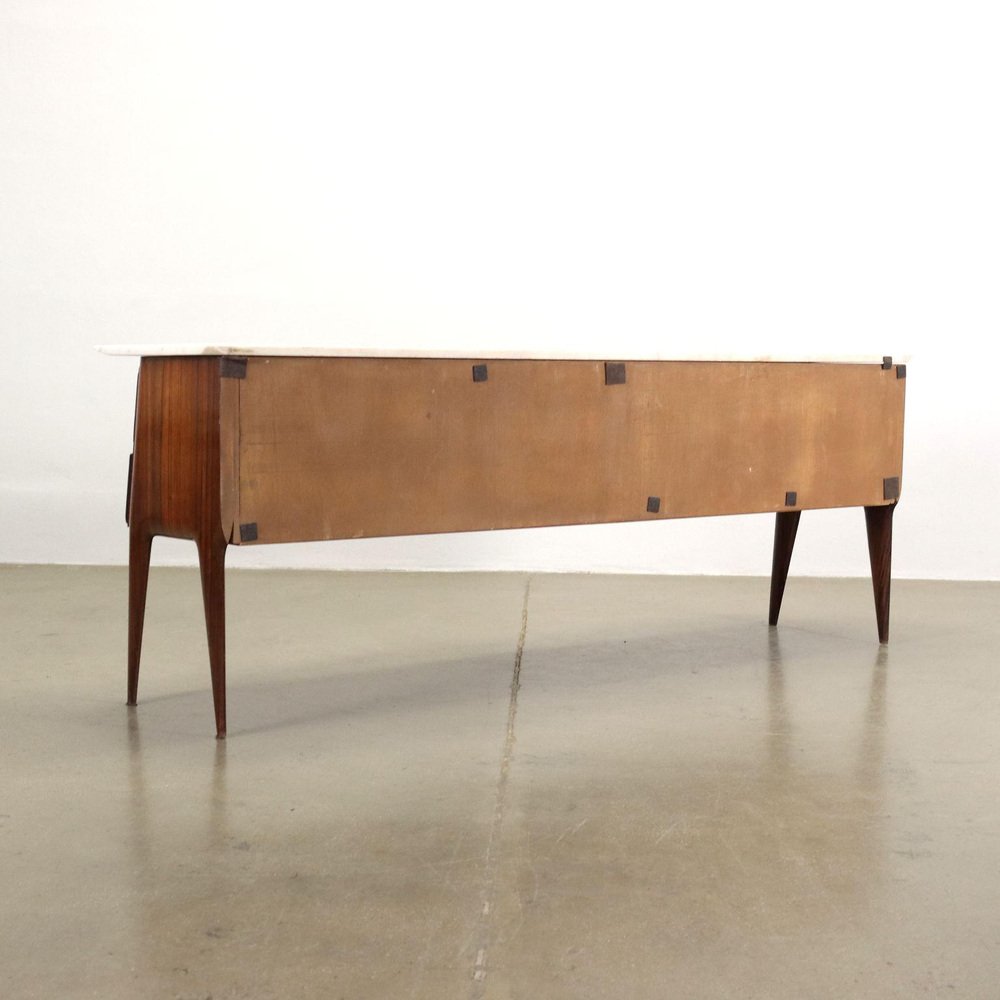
676 802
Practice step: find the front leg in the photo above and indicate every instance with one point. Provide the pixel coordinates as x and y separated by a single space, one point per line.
140 543
786 523
212 559
878 521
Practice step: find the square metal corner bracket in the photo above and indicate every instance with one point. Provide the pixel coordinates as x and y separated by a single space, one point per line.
890 488
791 498
614 373
480 373
900 371
248 532
886 362
231 367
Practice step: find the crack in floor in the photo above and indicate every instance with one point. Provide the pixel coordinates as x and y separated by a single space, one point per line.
491 863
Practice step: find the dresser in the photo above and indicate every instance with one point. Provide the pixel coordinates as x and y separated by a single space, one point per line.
253 446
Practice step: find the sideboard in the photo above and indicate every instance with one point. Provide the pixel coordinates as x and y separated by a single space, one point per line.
250 446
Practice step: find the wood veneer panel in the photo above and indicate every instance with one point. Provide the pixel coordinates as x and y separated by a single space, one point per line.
175 477
229 455
351 447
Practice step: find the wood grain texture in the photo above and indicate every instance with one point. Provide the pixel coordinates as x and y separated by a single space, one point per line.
229 456
175 474
354 447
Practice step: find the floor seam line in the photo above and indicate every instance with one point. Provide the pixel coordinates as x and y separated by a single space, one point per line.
485 923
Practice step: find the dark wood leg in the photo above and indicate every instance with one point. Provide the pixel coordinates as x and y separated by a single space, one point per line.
212 557
878 520
140 543
785 525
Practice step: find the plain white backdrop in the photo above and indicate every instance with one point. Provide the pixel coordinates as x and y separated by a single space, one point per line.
618 177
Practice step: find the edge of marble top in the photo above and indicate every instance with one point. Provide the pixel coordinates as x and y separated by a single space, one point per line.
221 350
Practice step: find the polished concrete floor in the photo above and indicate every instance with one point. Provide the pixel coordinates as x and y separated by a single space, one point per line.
489 786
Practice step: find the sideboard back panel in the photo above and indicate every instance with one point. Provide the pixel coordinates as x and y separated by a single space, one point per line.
352 447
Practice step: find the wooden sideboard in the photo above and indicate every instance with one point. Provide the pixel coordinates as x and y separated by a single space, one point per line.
248 447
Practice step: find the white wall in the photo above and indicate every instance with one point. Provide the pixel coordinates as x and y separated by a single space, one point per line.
758 177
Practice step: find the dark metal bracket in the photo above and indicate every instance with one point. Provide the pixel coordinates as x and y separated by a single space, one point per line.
653 505
890 488
230 367
791 498
614 373
480 373
248 532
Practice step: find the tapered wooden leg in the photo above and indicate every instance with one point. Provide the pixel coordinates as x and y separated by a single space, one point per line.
212 558
140 544
785 525
878 520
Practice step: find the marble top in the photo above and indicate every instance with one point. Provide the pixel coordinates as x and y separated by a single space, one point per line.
188 350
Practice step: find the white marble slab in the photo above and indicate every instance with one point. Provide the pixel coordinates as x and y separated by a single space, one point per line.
189 350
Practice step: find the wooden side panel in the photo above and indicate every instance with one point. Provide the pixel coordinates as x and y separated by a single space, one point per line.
352 447
175 476
229 455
